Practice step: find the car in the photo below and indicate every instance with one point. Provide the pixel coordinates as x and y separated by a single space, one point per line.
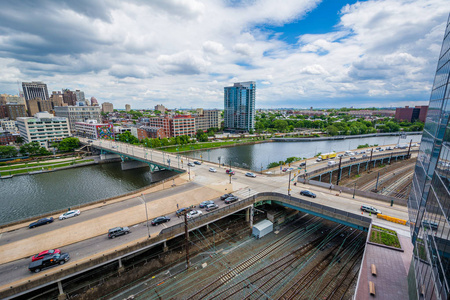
90 141
160 220
381 149
302 164
69 214
181 211
308 194
41 222
362 152
197 162
340 155
44 254
370 209
285 169
191 164
194 213
318 159
223 197
352 158
205 203
364 156
430 225
250 174
49 261
210 207
229 171
212 170
290 169
118 231
377 148
231 199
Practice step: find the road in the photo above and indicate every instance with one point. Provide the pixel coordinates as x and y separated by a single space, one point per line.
85 236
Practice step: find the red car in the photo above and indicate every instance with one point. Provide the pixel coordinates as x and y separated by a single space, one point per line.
45 253
230 172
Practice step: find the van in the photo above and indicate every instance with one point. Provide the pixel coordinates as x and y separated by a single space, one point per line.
331 163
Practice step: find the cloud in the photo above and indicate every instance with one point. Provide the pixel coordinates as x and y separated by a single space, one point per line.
244 49
213 47
185 63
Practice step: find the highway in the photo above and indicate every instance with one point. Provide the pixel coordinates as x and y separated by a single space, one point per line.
85 236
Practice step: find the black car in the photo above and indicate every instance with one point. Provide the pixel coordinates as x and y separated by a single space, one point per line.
205 203
231 199
302 164
159 220
49 261
181 211
223 197
118 231
352 158
197 163
41 222
308 194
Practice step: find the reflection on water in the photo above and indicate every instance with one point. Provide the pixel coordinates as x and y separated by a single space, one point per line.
32 195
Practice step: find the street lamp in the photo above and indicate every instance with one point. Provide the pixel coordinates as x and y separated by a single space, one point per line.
146 214
354 190
219 161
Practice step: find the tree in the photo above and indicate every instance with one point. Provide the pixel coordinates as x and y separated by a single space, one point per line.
332 130
68 144
8 151
127 137
19 140
280 125
201 136
30 148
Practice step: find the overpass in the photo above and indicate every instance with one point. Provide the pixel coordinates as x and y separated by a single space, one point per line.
69 271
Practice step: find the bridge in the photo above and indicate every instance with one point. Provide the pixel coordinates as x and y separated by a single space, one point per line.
89 249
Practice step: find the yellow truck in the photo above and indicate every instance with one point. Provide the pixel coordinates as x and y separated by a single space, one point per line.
328 155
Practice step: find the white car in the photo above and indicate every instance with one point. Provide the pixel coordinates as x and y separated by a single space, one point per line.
250 174
193 214
191 164
69 214
212 170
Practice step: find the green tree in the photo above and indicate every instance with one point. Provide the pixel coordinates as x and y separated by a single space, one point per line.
30 148
280 125
127 137
68 144
19 140
8 151
201 136
332 130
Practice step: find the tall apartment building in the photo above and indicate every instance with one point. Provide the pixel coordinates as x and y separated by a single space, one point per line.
43 128
429 200
80 96
411 114
205 119
127 107
69 97
5 98
94 101
12 111
174 126
78 114
35 89
107 107
239 102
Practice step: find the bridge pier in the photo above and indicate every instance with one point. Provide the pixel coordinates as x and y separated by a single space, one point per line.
358 168
349 171
165 248
121 267
62 295
132 164
249 216
331 176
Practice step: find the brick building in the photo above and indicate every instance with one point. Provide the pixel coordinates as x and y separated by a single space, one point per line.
411 114
174 126
12 111
7 138
150 132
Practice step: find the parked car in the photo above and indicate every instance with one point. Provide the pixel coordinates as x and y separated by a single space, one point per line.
429 224
231 199
160 220
70 214
212 170
191 164
308 194
205 203
340 155
229 171
118 231
250 174
352 158
364 156
318 159
362 152
181 211
49 261
197 162
90 141
371 209
223 197
44 254
303 164
194 213
210 207
285 169
290 169
377 148
41 222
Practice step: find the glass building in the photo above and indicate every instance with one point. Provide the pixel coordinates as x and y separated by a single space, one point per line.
429 201
239 102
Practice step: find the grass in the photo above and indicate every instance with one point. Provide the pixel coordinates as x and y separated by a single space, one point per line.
202 146
384 236
26 171
28 165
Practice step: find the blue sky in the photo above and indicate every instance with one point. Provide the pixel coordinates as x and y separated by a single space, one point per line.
182 53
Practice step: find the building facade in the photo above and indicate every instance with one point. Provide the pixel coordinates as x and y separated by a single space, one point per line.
37 105
5 98
35 89
78 114
161 108
239 103
127 107
411 114
107 107
9 125
429 200
205 119
93 130
174 125
43 128
12 111
150 132
69 97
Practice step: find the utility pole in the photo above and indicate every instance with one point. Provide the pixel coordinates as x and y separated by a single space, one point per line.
370 160
339 171
354 190
376 186
186 232
289 184
409 149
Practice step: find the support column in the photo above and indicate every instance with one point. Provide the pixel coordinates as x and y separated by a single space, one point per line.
251 217
331 176
349 171
320 177
165 248
62 295
207 227
121 268
358 167
247 215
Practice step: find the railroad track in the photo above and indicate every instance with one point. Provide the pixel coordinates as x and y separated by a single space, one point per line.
387 176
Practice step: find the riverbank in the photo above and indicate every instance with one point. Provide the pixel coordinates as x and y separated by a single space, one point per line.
208 146
343 137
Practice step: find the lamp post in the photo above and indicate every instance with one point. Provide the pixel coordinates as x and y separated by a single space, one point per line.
289 184
146 214
354 190
219 161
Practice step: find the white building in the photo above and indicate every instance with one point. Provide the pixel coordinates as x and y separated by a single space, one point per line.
205 119
43 128
78 114
9 125
93 130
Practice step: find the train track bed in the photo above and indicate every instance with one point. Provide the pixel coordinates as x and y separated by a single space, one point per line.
321 256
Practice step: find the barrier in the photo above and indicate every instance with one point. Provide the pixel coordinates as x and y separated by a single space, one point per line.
392 219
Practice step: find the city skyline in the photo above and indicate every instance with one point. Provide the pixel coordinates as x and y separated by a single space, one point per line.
183 53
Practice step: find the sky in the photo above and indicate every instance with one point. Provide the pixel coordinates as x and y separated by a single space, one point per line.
182 53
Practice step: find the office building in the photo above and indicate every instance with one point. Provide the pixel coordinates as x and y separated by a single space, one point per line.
160 108
94 101
12 111
35 89
107 107
9 125
429 200
239 102
150 132
78 114
43 128
174 125
80 96
127 107
411 114
38 105
69 97
93 130
205 119
5 98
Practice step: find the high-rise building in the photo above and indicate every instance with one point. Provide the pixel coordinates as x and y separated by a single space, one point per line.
127 107
205 119
5 98
80 96
35 89
429 200
160 108
94 101
107 107
69 97
38 105
12 111
78 114
239 102
43 128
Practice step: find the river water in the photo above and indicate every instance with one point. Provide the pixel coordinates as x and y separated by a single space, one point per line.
257 157
32 195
